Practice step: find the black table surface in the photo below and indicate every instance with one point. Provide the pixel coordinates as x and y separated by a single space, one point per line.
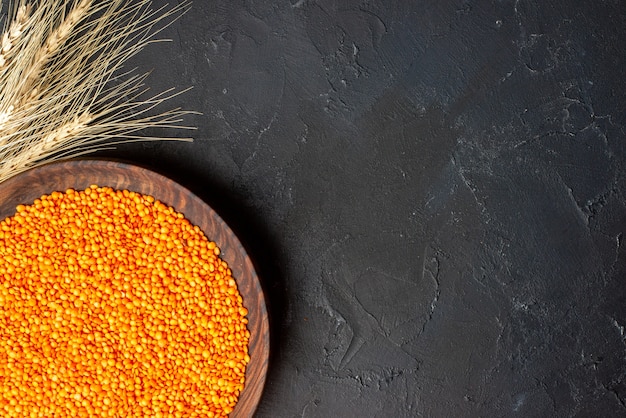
433 193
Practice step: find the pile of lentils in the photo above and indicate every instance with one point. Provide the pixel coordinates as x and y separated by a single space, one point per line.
113 304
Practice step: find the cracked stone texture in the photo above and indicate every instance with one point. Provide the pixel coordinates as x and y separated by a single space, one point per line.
433 193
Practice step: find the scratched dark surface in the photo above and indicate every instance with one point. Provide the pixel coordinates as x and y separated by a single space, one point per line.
433 194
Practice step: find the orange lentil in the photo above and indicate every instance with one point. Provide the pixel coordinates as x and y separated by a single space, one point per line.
113 304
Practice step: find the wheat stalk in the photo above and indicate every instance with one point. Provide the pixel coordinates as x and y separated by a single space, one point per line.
64 90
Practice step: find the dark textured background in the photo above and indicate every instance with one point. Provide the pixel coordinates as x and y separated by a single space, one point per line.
433 193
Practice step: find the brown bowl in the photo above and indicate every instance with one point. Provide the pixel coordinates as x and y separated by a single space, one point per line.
80 174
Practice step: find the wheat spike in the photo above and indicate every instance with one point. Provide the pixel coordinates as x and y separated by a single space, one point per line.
64 88
13 33
52 44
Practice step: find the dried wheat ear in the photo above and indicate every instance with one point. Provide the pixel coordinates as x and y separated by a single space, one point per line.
64 89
